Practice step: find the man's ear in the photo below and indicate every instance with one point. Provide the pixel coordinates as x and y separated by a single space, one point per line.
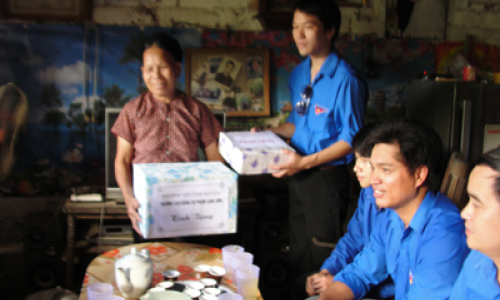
178 68
330 33
421 174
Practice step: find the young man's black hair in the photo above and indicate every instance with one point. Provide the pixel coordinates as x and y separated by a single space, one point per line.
327 11
419 145
492 159
359 140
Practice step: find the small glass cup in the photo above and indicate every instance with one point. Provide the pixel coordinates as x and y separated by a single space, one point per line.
247 277
229 296
227 252
237 259
98 290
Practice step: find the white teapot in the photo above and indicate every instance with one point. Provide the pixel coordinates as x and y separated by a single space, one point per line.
134 273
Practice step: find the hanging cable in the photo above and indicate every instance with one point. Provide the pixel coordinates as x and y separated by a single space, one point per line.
85 89
96 60
97 99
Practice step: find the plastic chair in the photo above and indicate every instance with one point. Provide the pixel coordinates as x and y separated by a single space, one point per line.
454 184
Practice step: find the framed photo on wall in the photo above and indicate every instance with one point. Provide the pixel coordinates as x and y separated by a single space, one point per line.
235 80
67 10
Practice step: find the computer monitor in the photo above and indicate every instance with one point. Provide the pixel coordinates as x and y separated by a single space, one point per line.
220 115
112 189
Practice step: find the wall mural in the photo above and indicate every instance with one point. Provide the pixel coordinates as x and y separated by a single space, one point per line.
70 73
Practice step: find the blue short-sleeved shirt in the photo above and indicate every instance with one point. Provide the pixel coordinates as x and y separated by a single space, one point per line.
477 280
423 259
336 109
360 227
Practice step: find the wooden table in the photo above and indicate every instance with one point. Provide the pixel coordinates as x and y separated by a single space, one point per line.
183 257
248 209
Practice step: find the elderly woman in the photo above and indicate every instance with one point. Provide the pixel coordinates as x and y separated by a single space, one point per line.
479 278
163 125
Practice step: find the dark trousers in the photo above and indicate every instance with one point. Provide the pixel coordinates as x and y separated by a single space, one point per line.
317 209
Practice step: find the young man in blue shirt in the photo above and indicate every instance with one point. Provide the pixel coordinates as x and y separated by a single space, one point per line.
329 98
421 243
359 229
479 278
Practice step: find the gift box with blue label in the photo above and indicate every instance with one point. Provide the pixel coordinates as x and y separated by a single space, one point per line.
253 152
183 199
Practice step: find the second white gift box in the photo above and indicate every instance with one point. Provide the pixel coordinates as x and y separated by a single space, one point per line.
182 199
253 152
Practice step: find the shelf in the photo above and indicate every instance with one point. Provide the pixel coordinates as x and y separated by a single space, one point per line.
95 208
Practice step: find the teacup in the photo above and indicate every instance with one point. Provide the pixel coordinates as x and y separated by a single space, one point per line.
217 273
171 275
209 282
202 271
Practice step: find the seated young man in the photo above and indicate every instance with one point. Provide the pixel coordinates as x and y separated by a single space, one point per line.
359 229
479 278
421 243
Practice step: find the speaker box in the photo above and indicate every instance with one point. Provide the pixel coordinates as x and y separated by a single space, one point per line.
274 248
44 236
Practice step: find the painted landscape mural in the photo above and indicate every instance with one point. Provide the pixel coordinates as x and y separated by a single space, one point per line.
69 74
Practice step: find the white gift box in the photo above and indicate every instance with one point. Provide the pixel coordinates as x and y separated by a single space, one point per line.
253 152
183 199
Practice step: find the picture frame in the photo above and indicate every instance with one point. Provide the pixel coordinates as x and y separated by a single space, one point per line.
68 10
235 80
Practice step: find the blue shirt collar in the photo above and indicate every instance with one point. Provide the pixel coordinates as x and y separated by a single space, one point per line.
328 68
486 267
420 217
